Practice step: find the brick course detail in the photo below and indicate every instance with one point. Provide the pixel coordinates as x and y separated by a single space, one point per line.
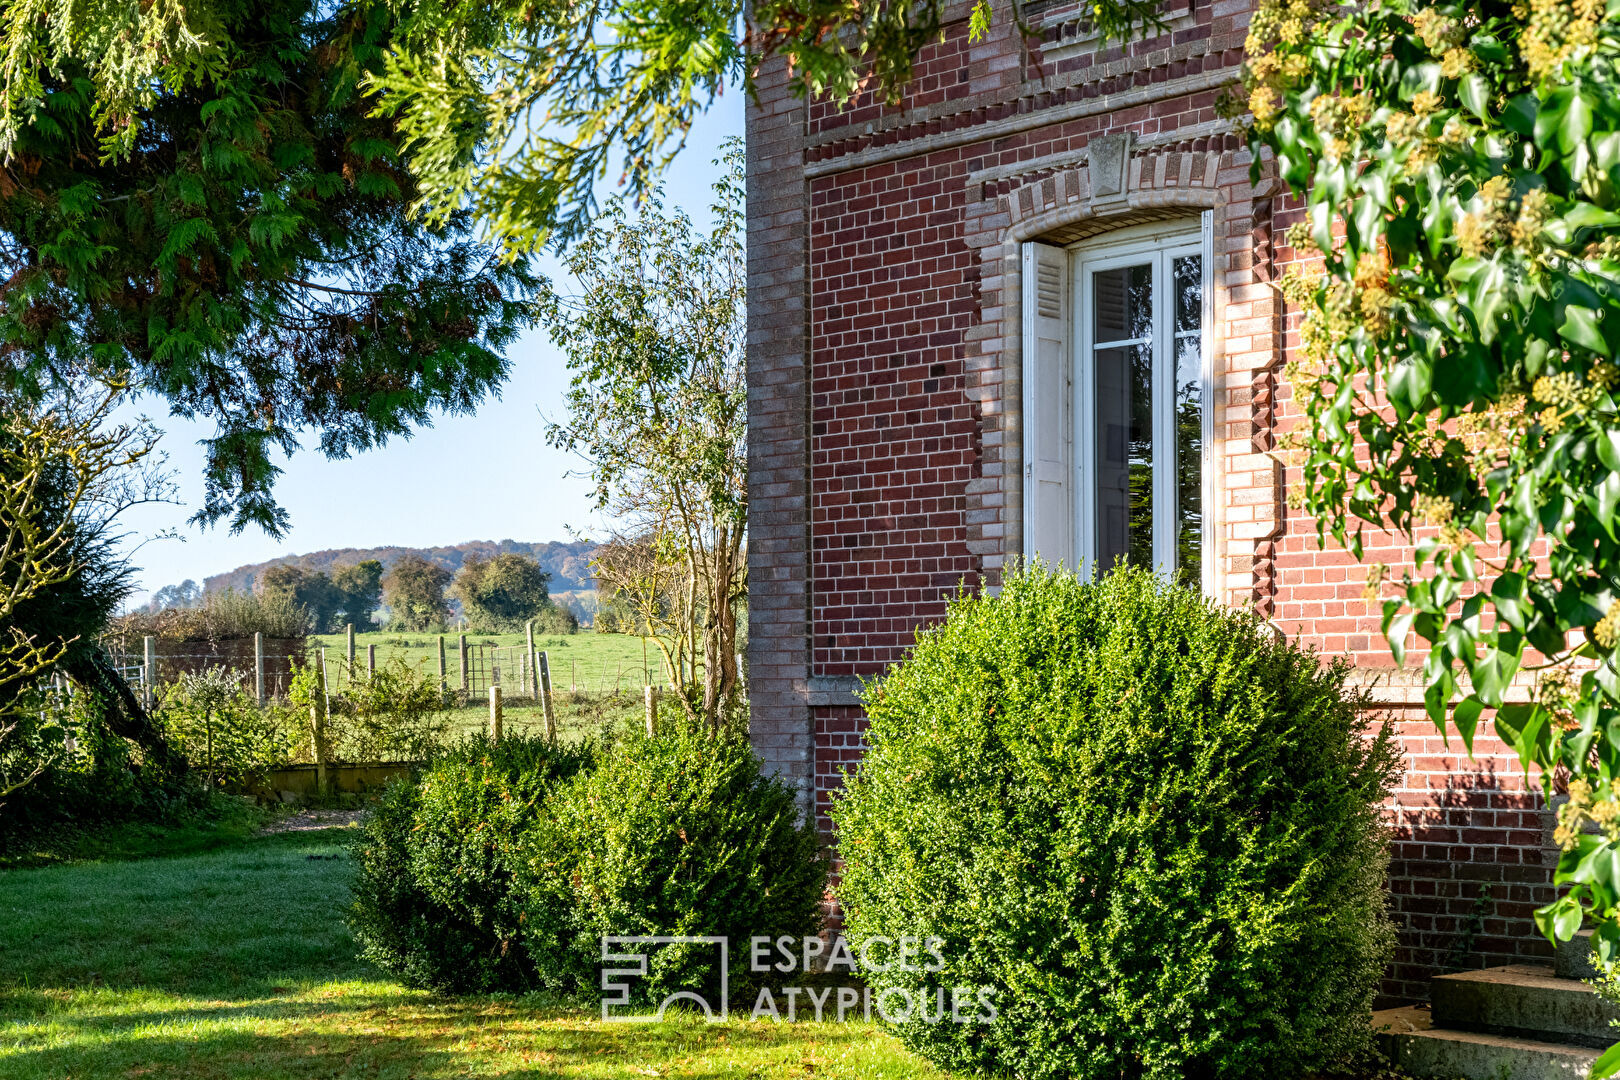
885 396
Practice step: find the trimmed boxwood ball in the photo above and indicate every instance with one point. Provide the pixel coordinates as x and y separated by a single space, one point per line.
434 896
1148 825
681 834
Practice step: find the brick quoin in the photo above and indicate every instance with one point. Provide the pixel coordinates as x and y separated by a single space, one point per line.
885 396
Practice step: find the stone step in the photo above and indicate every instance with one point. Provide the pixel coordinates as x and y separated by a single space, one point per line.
1574 959
1523 1000
1419 1050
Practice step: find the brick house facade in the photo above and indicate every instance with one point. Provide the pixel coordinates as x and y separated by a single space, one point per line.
900 260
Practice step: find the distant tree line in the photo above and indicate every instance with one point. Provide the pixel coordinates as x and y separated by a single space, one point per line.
500 594
349 594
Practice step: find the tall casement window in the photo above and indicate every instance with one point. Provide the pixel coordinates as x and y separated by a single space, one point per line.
1117 419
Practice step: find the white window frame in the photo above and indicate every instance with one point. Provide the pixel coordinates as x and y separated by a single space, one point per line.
1160 244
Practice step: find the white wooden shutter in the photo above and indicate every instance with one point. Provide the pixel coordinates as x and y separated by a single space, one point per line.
1048 428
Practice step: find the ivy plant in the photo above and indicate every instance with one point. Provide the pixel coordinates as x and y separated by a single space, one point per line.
1457 376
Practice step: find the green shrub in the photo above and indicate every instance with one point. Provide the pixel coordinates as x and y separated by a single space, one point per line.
91 776
395 713
220 729
501 868
676 835
434 901
1149 826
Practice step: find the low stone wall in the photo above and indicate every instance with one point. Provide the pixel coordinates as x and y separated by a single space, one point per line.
294 783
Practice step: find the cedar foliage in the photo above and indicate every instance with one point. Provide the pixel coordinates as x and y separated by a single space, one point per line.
250 256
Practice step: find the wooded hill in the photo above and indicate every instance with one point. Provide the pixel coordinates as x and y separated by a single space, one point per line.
568 563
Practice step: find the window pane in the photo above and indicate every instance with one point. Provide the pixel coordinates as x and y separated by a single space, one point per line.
1189 273
1123 304
1189 462
1189 421
1124 426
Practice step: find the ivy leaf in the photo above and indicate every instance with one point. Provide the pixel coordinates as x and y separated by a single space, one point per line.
1436 696
1563 121
1521 726
1603 501
1607 1064
1584 215
1608 448
1606 941
1410 382
1581 328
1475 92
1519 115
1507 595
1397 624
1466 717
1554 920
1493 674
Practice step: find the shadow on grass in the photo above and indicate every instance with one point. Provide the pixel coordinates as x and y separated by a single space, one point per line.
378 1030
236 964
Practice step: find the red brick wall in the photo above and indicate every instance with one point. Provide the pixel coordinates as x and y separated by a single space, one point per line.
884 381
893 291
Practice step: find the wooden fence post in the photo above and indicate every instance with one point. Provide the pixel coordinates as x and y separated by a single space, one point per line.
466 687
495 713
543 683
534 666
650 693
444 680
371 661
149 671
350 669
258 667
317 725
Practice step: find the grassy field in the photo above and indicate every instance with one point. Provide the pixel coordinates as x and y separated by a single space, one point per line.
236 964
593 662
585 669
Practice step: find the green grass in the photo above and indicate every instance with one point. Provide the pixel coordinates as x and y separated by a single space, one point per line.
236 964
594 661
225 822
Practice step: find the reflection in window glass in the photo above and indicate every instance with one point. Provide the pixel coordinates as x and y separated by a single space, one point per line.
1123 358
1189 419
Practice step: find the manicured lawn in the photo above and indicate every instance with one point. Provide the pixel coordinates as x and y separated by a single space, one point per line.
236 964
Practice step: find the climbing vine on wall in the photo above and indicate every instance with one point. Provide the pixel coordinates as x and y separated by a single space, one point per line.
1460 165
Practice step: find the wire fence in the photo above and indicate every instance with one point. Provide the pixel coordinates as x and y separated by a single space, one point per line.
470 669
474 668
266 671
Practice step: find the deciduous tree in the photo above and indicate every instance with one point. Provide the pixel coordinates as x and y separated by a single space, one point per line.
413 589
187 594
359 588
501 594
658 408
311 590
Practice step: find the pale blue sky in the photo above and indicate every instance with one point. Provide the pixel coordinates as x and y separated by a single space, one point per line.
485 477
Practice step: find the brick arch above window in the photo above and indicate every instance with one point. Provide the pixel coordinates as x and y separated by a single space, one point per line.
1068 204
